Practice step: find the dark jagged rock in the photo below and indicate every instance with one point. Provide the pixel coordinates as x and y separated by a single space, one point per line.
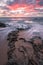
12 38
10 62
26 52
22 39
2 25
22 55
37 44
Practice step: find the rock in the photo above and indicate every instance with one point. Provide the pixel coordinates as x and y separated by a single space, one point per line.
2 25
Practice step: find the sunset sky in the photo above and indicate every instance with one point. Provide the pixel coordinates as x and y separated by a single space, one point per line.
22 6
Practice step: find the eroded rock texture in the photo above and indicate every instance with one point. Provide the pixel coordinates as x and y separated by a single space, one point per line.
23 52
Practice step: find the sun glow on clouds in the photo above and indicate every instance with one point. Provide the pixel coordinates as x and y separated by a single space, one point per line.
28 6
22 9
19 10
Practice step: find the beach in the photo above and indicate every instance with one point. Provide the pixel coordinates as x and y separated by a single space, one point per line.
25 32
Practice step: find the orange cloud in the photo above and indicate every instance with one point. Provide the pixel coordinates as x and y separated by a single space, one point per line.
27 7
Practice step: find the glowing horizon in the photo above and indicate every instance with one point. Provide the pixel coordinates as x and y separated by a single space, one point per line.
23 9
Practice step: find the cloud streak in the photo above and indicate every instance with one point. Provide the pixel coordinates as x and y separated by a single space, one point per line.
14 4
11 2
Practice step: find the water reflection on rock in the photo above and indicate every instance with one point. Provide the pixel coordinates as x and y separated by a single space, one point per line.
25 46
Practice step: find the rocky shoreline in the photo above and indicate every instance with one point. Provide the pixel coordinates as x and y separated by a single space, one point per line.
22 50
25 53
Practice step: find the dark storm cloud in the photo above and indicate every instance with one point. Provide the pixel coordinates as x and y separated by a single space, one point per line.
41 3
30 1
10 2
4 8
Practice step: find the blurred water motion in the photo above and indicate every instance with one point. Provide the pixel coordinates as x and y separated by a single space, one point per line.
27 30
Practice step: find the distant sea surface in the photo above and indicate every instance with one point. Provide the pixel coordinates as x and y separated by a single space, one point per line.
10 19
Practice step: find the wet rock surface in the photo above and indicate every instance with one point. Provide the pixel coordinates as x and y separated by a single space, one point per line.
23 52
2 25
23 46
